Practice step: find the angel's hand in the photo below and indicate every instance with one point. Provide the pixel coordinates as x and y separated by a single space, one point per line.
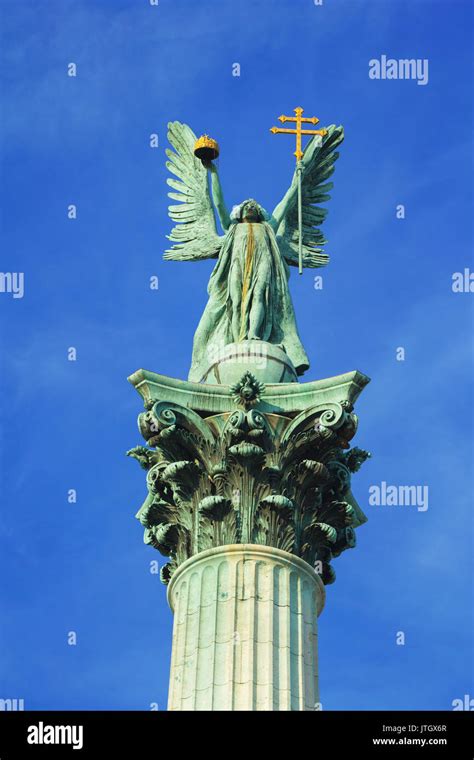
207 163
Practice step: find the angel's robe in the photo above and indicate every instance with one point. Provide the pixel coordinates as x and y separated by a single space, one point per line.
250 265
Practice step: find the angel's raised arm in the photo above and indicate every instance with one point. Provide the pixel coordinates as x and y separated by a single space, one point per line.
289 199
317 167
195 236
281 209
218 195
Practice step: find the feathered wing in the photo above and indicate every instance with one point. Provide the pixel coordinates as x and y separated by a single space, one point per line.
318 167
195 236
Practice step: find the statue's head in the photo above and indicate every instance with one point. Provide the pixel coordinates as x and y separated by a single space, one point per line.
249 211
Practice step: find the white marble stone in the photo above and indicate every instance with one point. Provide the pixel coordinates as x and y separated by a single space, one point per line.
245 631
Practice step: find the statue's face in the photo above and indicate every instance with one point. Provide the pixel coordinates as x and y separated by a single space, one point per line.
247 390
250 212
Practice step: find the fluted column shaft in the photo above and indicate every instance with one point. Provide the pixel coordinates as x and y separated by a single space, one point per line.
245 631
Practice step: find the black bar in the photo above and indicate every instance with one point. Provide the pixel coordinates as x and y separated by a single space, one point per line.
135 734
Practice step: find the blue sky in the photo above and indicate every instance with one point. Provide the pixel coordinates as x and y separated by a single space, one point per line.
66 425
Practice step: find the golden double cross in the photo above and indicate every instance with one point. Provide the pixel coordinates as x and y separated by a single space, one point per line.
299 119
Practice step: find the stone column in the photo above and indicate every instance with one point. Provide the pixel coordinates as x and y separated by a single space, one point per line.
249 498
245 630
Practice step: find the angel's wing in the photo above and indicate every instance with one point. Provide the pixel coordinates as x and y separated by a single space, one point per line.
195 234
318 161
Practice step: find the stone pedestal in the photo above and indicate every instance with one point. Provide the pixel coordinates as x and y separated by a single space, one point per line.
245 631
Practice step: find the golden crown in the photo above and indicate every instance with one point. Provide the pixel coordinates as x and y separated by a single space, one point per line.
206 147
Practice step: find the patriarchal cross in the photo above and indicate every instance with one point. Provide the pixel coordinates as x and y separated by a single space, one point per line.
299 119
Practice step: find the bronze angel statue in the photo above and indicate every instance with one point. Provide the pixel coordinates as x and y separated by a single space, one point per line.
249 297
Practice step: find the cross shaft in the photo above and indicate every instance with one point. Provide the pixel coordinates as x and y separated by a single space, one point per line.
299 119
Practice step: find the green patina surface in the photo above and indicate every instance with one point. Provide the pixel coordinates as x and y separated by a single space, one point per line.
249 461
249 296
249 464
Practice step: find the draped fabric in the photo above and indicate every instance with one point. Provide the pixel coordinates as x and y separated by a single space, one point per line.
250 269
